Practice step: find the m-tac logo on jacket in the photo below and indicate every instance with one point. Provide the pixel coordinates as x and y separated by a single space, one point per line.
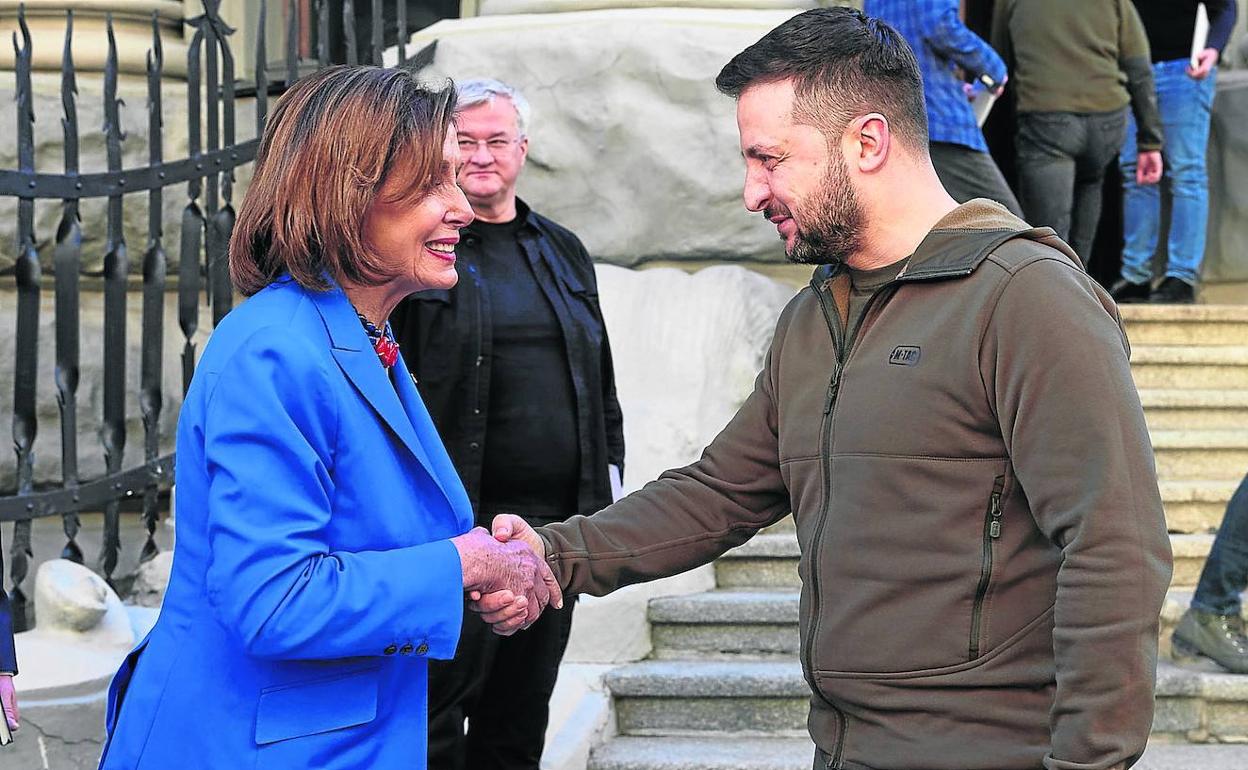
905 355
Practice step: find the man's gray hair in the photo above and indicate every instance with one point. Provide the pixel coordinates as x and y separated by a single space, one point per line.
482 90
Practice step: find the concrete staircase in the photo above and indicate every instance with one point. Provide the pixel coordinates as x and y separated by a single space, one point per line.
724 689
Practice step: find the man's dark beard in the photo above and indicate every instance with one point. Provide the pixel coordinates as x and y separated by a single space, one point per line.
835 229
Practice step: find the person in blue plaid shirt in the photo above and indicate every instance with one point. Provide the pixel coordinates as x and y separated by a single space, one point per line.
951 56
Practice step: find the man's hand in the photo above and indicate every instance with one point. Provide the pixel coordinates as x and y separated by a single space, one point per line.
502 609
512 573
8 698
1206 60
1148 167
508 527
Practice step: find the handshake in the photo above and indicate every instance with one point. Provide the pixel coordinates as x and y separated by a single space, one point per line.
505 574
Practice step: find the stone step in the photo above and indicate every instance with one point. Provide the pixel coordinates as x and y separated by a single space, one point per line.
770 561
1188 455
726 624
764 561
1190 552
720 752
1195 409
683 697
1181 366
1185 324
689 697
730 751
1196 506
1199 705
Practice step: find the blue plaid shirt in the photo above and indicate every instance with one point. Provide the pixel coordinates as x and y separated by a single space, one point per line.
941 42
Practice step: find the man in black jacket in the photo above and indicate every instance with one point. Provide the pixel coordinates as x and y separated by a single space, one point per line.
515 367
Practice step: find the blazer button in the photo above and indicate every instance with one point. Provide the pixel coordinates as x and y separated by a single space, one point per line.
406 649
474 446
422 649
391 650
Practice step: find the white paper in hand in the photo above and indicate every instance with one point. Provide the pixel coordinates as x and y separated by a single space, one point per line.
1200 36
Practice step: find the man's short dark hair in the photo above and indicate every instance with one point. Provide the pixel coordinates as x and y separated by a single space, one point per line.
843 64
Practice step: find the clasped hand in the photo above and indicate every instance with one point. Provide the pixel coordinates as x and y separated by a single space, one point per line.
506 575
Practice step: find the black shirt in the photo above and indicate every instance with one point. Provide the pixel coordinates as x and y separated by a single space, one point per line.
531 459
1170 25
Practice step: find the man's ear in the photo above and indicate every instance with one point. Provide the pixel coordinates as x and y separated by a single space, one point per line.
871 141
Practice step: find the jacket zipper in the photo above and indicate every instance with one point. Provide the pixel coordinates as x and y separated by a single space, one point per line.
992 531
844 350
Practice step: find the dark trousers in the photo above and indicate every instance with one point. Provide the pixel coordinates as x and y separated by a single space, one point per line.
1225 575
968 174
1062 158
502 686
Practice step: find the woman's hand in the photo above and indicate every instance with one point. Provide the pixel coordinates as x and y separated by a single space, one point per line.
512 575
8 699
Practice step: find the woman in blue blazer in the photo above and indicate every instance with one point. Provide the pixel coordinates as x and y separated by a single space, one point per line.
323 543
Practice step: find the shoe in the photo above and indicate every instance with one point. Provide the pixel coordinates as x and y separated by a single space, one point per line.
1217 637
1129 291
1173 290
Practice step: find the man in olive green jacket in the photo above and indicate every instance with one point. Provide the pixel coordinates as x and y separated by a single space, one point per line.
1077 65
949 414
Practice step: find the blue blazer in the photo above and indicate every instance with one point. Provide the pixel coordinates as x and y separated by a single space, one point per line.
313 577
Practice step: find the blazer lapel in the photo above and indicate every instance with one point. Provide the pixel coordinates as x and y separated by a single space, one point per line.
359 363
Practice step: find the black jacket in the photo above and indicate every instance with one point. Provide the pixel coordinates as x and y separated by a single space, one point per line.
446 342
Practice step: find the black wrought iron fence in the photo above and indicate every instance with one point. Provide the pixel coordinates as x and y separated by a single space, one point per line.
207 174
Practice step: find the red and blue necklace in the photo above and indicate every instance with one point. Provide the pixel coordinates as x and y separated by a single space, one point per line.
383 342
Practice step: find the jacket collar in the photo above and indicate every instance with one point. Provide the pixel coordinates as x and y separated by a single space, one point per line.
960 242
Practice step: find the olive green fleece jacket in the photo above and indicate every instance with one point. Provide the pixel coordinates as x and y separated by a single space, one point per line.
983 550
1081 56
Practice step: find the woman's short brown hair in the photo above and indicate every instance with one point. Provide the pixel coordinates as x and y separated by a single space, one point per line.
326 150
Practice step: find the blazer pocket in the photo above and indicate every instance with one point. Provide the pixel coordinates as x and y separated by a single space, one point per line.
318 706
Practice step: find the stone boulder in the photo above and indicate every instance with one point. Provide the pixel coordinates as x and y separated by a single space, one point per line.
631 145
150 581
71 599
687 348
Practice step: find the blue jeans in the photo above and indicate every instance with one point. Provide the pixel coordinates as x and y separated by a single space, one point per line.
1225 575
1185 105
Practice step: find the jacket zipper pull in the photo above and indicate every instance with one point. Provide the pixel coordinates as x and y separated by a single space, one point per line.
994 529
833 386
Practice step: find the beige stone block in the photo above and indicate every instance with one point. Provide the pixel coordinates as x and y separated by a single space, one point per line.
132 29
